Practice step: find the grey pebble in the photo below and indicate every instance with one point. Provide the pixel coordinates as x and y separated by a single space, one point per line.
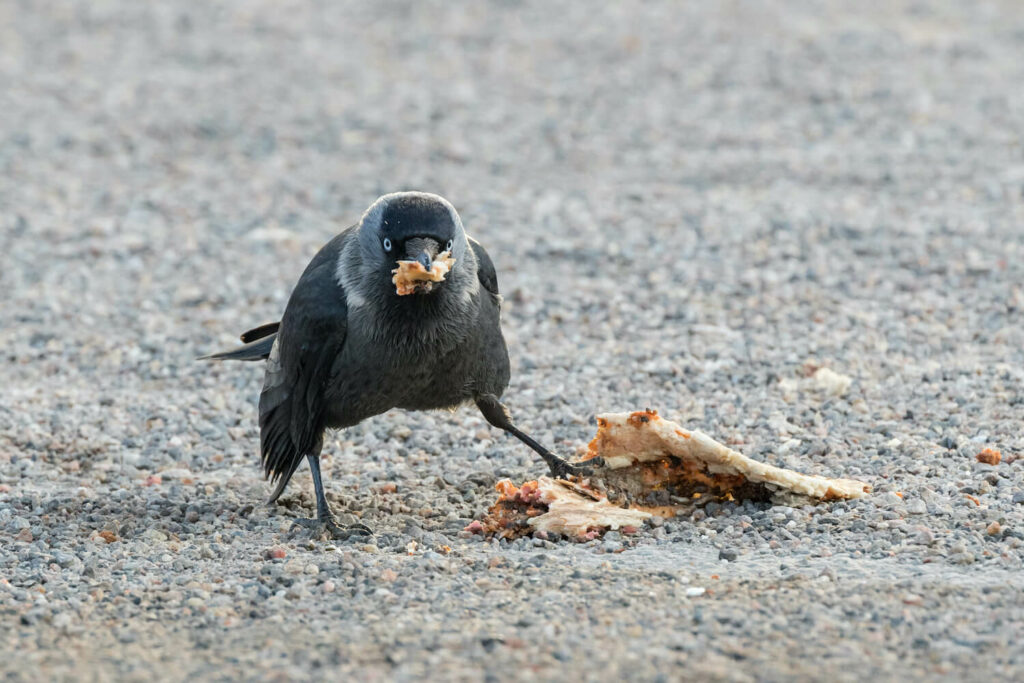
917 507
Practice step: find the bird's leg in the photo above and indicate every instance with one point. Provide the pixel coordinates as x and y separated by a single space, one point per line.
498 415
325 520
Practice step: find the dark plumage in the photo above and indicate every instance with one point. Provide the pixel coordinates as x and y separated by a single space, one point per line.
349 347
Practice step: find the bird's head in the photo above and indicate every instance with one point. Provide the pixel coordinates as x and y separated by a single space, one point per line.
415 239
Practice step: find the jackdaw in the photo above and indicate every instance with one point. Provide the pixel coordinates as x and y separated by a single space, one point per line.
349 346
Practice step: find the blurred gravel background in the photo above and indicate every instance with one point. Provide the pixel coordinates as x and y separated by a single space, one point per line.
691 207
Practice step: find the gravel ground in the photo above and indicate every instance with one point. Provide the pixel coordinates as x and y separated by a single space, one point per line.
690 208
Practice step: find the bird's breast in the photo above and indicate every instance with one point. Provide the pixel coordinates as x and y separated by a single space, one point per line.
371 378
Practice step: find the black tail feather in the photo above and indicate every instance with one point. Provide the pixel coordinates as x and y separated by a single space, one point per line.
254 350
282 481
259 332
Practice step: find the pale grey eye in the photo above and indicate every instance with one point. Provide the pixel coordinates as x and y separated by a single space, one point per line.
387 244
449 246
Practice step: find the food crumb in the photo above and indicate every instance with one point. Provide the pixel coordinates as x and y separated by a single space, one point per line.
989 456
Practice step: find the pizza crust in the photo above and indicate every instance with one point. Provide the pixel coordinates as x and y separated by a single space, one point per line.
411 275
553 507
648 466
631 443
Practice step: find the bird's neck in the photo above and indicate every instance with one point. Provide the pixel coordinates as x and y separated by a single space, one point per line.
432 323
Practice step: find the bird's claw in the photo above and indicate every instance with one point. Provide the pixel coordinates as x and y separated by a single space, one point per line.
340 532
563 469
328 527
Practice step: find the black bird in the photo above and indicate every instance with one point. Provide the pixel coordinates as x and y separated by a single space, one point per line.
350 347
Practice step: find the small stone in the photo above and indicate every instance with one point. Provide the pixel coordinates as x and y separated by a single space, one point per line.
889 499
296 592
917 507
154 536
401 432
993 529
18 524
1018 498
328 587
695 591
64 559
912 599
727 554
962 558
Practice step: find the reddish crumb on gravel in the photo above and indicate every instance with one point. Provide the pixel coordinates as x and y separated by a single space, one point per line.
276 553
108 536
507 516
153 480
994 528
386 487
989 456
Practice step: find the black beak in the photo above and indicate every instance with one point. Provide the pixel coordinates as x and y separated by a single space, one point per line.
425 260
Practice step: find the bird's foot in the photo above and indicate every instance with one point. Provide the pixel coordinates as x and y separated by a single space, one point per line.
328 527
563 469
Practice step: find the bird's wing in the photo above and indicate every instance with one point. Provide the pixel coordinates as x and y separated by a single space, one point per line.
310 337
485 267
